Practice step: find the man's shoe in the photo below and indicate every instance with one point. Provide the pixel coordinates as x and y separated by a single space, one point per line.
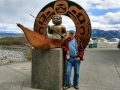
66 87
76 87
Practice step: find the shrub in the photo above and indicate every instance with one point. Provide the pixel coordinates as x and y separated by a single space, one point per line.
13 41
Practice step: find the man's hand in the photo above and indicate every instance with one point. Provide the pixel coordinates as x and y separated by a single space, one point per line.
68 53
78 59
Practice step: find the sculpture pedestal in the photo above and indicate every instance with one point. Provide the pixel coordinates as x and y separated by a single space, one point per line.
47 69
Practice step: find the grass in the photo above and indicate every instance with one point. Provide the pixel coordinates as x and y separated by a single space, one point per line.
13 40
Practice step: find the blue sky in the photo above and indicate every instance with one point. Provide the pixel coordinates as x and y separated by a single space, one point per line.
104 14
97 12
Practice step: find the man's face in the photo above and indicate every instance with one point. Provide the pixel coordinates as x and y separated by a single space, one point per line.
71 35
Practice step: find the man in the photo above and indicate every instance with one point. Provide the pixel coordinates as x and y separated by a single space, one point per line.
73 52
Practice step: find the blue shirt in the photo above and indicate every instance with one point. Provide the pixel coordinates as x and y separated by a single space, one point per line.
72 48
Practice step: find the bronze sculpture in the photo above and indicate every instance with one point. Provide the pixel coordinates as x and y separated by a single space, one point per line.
57 20
59 7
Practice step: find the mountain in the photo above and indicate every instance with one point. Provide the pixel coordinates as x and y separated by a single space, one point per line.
6 31
96 33
9 33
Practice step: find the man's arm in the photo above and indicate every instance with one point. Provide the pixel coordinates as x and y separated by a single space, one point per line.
81 51
64 47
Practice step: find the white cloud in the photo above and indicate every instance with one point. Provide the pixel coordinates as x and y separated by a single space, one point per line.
99 4
109 21
1 2
108 18
7 25
13 27
112 18
102 26
17 11
9 28
108 4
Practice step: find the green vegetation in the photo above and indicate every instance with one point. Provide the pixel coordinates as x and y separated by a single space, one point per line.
22 40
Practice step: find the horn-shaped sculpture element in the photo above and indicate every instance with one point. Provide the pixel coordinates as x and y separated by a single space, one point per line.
40 42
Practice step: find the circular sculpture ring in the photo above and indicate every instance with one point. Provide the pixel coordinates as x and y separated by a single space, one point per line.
70 9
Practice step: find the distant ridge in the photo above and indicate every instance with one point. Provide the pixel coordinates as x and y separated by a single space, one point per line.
96 33
10 34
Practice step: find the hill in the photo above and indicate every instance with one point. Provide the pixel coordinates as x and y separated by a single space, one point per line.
96 33
7 34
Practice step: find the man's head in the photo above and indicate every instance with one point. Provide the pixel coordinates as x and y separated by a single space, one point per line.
71 33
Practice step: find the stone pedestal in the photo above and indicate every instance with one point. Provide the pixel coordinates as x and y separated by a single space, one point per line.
47 69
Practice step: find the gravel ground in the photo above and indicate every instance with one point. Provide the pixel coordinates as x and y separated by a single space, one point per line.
13 53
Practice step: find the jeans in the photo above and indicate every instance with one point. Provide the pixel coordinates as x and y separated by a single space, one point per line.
72 62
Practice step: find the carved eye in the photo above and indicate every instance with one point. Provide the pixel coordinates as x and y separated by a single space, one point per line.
63 6
57 7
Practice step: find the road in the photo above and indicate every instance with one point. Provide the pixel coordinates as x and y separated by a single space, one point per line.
100 70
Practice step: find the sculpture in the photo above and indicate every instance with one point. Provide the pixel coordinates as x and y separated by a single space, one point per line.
57 20
40 42
38 38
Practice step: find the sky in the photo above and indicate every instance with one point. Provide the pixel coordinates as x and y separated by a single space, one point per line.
103 14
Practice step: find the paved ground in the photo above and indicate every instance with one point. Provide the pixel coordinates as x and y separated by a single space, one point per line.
99 71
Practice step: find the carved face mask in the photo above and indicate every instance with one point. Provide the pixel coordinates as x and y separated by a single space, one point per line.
57 19
61 7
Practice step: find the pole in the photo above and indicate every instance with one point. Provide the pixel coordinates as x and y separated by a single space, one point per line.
47 25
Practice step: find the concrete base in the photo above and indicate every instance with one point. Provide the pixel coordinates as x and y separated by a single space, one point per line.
47 69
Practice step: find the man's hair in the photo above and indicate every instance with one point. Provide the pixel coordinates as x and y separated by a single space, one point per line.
72 31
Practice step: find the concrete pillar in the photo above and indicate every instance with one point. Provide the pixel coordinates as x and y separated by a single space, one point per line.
47 69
